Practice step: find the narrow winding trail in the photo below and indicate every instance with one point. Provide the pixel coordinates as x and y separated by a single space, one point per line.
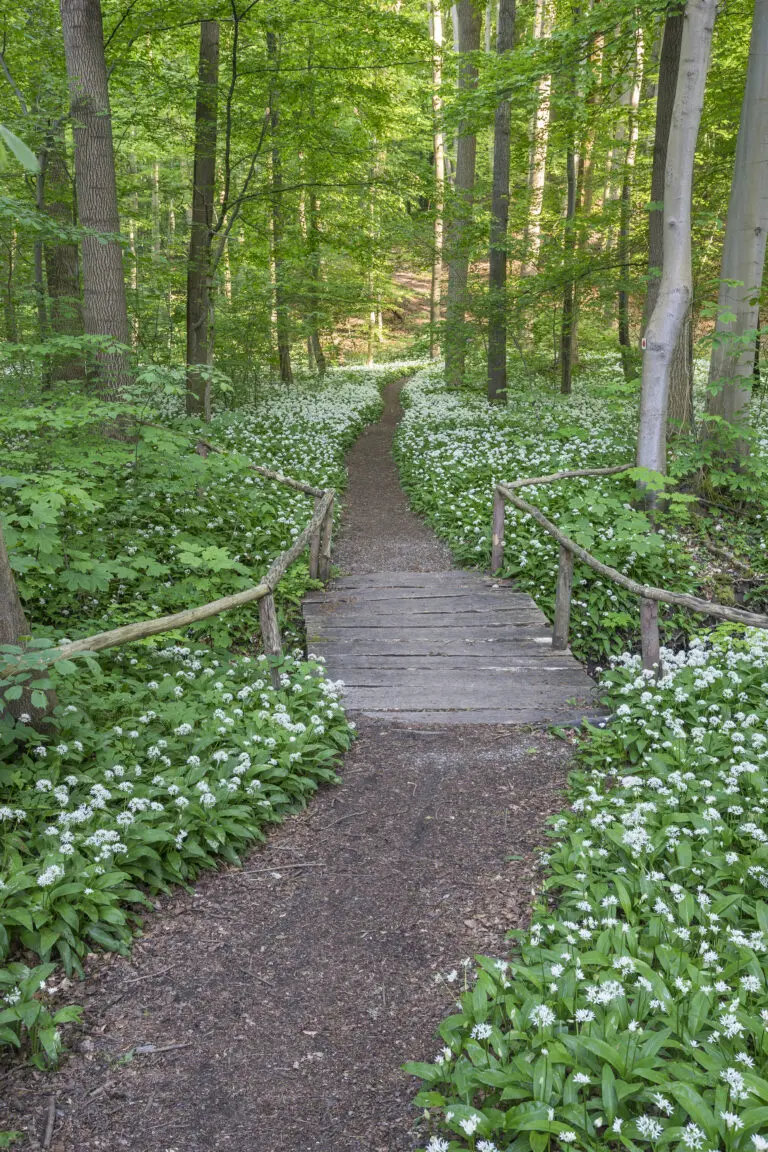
270 1010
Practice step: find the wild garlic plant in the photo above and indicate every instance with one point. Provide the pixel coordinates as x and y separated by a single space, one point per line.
633 1012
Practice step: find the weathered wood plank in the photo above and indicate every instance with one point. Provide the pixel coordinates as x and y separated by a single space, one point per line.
460 682
544 716
460 697
449 594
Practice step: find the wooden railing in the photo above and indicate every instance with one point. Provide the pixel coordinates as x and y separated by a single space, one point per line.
650 597
317 536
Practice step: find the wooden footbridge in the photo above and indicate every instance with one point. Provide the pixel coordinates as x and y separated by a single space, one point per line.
448 647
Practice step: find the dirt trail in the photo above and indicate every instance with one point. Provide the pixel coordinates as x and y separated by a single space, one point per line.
272 1008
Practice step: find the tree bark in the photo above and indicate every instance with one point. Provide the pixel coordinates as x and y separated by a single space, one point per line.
569 245
625 212
282 317
537 168
200 307
62 265
104 302
741 273
435 292
680 412
469 28
675 289
497 275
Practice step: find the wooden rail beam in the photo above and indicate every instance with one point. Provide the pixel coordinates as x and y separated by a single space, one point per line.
563 600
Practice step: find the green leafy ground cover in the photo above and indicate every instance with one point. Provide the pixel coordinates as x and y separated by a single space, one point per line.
164 757
632 1014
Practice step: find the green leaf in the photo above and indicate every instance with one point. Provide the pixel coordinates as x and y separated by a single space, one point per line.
23 154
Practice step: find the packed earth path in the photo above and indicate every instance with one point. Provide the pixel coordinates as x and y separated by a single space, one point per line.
272 1008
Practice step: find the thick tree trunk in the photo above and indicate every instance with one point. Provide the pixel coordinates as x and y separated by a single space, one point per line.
200 306
435 292
104 304
13 622
497 275
469 28
675 289
741 273
282 316
625 215
537 168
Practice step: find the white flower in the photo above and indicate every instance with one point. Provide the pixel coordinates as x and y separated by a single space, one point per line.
732 1120
470 1124
437 1145
649 1127
542 1015
482 1031
51 874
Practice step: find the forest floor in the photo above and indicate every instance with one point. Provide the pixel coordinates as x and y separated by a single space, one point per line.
272 1007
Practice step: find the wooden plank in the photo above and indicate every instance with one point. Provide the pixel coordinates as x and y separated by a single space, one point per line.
431 718
377 643
450 594
397 579
463 621
559 682
462 697
534 664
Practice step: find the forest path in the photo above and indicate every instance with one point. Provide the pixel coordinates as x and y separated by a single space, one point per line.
415 640
270 1010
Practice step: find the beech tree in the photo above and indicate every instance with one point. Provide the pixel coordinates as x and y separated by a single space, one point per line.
199 271
741 275
438 144
675 288
497 274
468 25
105 311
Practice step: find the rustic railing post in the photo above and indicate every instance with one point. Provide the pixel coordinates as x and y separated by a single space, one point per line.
497 546
649 635
325 535
270 633
563 600
314 548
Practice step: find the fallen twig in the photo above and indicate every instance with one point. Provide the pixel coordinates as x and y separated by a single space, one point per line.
283 867
50 1122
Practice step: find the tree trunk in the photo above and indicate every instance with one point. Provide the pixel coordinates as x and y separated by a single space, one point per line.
625 215
542 29
569 245
675 289
681 384
62 266
497 276
435 292
13 622
741 272
282 318
9 302
469 28
200 307
104 304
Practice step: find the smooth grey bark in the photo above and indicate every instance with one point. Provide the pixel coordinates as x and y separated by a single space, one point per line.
199 271
741 272
675 289
469 25
105 311
497 273
569 246
282 316
438 132
625 208
537 166
680 409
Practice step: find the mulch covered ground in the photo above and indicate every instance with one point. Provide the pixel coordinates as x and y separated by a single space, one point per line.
272 1008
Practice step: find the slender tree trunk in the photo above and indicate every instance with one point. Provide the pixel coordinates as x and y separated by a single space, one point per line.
497 276
200 307
626 210
537 168
680 408
316 281
741 273
9 301
104 304
469 27
282 316
675 289
569 246
435 292
62 266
